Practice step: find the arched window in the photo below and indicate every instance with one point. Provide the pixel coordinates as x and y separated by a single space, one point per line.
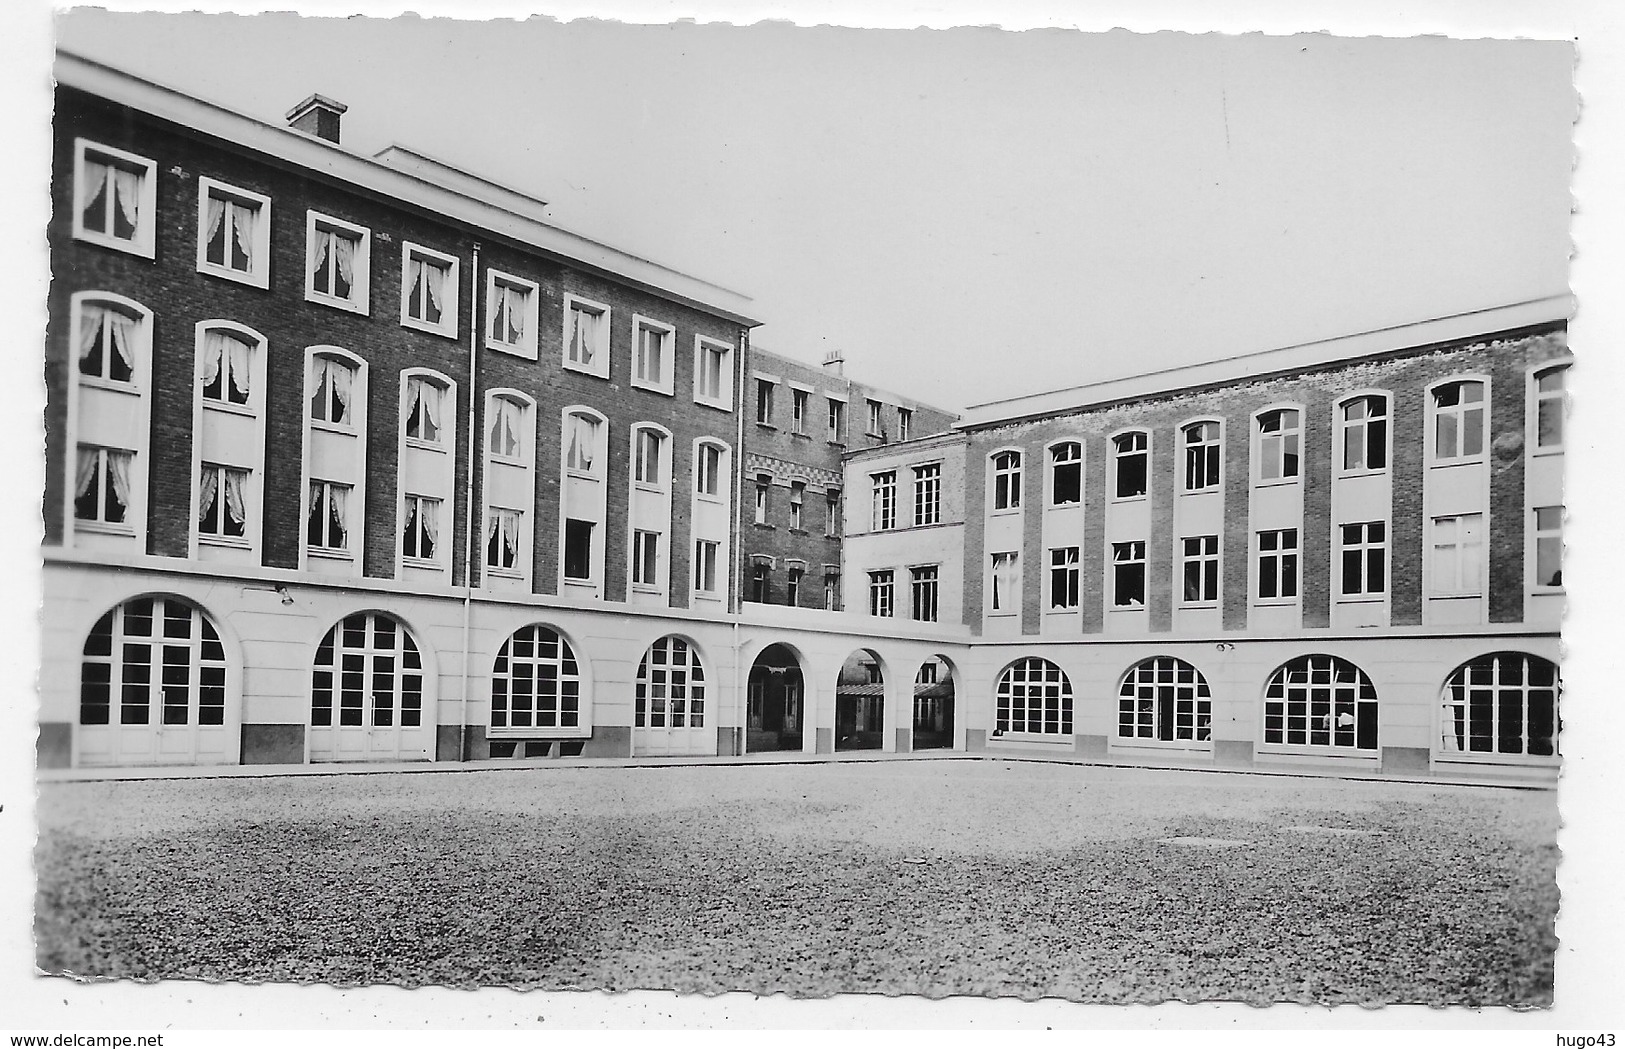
535 682
112 337
333 393
1034 695
1458 420
1549 408
1164 699
1502 703
648 456
1364 423
153 661
710 469
670 686
583 442
1006 480
1130 464
1201 455
507 429
424 406
1321 701
1280 432
368 674
1066 474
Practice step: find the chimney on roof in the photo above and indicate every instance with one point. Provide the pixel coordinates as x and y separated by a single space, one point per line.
317 115
835 362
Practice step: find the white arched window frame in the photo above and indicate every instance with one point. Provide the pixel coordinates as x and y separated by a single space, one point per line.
508 487
1201 465
106 449
582 442
649 503
1458 420
425 464
1363 424
1033 696
1548 408
1501 706
1278 444
540 686
1131 464
1320 701
334 498
1165 700
670 689
1064 478
1004 466
651 456
231 447
712 469
583 499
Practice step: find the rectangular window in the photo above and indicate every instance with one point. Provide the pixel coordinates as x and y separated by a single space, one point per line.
1199 569
874 419
832 591
1278 564
578 549
1365 433
1063 578
923 584
1458 556
1550 401
880 594
652 355
705 566
792 586
1365 558
429 290
233 233
511 314
713 373
1279 433
326 524
798 411
758 583
798 491
764 401
586 336
1201 456
905 424
764 485
645 557
883 504
1005 582
708 471
420 537
336 257
1066 474
115 198
1128 574
1129 464
832 514
928 494
102 485
1458 420
222 509
837 419
1549 547
502 539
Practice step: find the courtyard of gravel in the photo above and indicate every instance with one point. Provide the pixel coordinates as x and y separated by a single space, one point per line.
932 878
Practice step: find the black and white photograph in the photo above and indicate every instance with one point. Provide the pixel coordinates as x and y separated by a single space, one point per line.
998 520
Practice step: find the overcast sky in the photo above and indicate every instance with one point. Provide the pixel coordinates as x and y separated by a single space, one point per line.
968 214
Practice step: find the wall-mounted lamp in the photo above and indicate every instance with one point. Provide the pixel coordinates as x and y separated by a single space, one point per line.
286 597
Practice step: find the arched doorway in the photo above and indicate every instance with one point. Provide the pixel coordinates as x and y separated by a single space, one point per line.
152 688
933 705
775 715
670 710
860 703
367 700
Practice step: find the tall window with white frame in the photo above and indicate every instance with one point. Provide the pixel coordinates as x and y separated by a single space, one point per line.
327 528
764 401
837 421
1005 583
645 557
764 486
337 394
1130 464
1364 422
222 513
708 478
1199 570
1201 456
1458 421
1364 559
880 594
101 493
586 336
1280 434
113 352
923 587
425 472
228 436
713 373
1128 574
1548 547
652 355
1066 474
336 262
705 566
233 233
511 314
905 424
508 460
759 582
927 494
583 501
798 494
832 512
1550 406
115 197
792 585
1063 578
1457 563
883 500
875 425
798 411
429 290
832 589
1278 564
649 451
1006 481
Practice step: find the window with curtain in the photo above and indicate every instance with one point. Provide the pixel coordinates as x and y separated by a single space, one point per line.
222 509
502 539
420 536
584 336
113 192
1005 582
509 307
227 374
332 391
101 490
231 234
424 403
507 424
107 342
581 437
336 264
429 288
326 524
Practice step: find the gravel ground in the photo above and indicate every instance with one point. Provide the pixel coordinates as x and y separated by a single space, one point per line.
930 878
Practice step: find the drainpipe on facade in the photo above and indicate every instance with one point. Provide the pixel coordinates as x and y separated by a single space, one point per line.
468 503
736 598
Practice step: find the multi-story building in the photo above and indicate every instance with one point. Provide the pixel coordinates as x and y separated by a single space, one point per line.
1345 554
806 419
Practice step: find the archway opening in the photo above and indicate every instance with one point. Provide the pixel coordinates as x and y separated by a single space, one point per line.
934 705
775 714
860 703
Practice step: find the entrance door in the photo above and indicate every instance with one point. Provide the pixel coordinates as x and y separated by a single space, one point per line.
152 688
670 716
366 699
